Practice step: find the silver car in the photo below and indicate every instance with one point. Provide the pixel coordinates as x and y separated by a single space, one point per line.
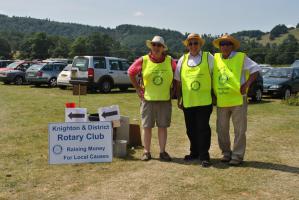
103 73
44 73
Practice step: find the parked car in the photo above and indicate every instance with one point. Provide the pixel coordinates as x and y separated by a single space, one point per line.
282 81
4 63
15 72
64 77
64 60
255 91
265 68
103 73
44 73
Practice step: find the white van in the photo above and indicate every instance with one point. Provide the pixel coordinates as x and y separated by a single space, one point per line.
103 73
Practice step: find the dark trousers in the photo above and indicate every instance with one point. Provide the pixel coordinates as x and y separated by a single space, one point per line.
199 130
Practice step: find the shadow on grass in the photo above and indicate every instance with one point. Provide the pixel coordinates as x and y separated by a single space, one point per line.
258 165
271 166
263 101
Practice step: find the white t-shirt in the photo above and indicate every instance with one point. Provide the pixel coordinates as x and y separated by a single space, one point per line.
192 62
249 65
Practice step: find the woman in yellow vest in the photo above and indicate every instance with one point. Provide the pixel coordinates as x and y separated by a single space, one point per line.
156 70
194 87
230 85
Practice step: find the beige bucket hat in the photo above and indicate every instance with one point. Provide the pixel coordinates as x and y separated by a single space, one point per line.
194 36
229 38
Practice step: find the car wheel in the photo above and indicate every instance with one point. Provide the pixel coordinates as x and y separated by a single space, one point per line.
106 86
123 88
257 96
287 93
18 80
52 82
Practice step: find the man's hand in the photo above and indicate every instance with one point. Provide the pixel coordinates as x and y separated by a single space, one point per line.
180 104
244 87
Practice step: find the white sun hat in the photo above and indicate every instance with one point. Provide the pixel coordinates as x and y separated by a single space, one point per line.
156 39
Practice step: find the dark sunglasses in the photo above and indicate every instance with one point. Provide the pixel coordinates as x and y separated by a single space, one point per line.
193 43
157 45
225 43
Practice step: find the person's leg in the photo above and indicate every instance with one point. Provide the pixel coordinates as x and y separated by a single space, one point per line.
222 128
147 124
147 139
239 118
163 111
190 122
162 135
204 131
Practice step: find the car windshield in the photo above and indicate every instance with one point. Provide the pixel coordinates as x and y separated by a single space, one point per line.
13 65
265 70
280 73
81 63
68 68
37 66
295 64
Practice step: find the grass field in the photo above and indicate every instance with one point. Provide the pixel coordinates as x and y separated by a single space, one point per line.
271 170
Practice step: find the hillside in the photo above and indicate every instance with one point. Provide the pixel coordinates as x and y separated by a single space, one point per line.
265 38
130 36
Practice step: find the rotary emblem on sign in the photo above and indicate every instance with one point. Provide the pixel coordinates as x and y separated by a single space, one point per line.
195 85
223 78
157 80
57 149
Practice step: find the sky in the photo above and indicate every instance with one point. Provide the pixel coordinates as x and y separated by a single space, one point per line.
201 16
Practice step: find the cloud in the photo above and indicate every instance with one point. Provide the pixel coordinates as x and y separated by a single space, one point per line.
290 26
138 14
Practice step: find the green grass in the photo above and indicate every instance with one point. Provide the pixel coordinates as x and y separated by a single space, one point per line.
271 170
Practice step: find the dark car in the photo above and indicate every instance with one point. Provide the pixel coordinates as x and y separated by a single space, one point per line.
255 92
282 81
45 73
15 72
4 63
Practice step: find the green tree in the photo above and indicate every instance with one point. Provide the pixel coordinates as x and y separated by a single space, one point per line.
60 48
5 49
79 47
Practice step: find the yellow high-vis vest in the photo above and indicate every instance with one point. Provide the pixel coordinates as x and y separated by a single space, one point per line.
157 79
227 79
196 82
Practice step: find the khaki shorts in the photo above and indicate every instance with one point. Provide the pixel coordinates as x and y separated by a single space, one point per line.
155 112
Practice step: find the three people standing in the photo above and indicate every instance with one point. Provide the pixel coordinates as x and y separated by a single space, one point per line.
229 74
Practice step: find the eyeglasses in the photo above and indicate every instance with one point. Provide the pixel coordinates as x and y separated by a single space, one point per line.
225 43
193 43
157 45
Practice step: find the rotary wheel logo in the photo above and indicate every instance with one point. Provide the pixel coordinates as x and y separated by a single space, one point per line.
57 149
223 78
157 80
195 85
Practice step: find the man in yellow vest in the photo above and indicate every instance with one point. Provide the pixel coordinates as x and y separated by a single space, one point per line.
194 87
156 71
230 85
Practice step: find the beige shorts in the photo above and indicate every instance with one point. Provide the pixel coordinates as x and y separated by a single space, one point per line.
155 112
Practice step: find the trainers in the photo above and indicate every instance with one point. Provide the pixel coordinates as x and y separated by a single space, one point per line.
146 156
225 159
190 157
235 162
205 163
165 156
